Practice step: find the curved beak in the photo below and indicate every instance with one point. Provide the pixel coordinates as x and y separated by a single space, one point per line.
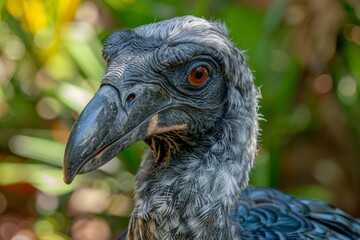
102 131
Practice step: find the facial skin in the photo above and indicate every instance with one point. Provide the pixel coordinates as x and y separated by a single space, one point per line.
147 93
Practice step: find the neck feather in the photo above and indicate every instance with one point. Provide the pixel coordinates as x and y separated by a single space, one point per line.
190 197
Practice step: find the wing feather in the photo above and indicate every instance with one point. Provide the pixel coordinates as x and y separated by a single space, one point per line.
266 213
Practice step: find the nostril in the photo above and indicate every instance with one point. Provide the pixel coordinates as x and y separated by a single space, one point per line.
130 97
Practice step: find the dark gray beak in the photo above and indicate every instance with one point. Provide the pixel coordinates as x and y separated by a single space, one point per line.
113 120
103 130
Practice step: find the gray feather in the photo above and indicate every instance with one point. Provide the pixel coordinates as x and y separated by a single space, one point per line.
193 184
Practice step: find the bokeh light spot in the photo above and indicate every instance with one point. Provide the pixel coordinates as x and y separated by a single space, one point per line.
47 108
43 226
8 229
79 31
347 86
74 96
326 171
346 90
52 181
60 61
323 83
14 48
88 12
126 181
46 204
44 38
24 235
90 229
89 200
121 205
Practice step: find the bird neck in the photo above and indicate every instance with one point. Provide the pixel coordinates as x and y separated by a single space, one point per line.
190 196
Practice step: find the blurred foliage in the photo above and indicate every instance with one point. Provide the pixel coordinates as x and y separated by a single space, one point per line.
306 58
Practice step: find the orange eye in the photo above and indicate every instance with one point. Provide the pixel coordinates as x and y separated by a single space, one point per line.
198 75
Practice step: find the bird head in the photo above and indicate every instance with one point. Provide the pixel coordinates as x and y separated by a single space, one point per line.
167 83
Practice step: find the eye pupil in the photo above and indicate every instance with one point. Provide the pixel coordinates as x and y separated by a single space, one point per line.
199 75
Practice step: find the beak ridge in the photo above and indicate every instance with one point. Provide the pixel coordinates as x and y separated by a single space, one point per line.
91 133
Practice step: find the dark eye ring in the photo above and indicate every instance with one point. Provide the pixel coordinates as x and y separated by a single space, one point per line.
198 75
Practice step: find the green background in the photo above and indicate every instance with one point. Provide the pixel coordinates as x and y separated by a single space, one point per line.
306 59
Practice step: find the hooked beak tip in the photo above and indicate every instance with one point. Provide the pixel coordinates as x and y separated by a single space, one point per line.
68 178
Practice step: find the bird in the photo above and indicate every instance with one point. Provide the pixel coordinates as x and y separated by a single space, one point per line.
183 87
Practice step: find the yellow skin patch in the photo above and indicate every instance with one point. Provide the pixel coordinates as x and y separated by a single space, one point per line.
155 129
162 141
